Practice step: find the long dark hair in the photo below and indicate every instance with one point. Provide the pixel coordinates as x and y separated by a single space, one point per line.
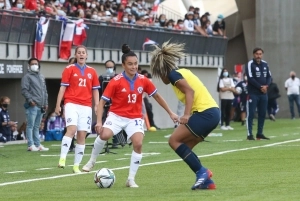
221 77
127 53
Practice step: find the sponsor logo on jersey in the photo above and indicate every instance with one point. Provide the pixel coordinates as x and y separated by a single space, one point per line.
123 90
75 75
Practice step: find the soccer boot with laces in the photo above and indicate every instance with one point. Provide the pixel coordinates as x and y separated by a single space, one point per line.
89 166
201 176
209 184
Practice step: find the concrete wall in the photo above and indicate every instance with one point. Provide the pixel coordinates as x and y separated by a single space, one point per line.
277 32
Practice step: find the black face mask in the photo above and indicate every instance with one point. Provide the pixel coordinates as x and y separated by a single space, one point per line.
293 77
4 105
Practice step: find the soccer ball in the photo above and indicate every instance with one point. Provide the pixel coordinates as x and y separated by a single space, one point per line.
238 90
104 178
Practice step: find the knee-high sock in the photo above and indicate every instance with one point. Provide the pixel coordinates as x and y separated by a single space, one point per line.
189 157
79 152
98 146
134 164
65 146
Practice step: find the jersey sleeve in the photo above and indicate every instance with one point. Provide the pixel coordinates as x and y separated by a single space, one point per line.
109 90
149 87
96 84
174 77
66 74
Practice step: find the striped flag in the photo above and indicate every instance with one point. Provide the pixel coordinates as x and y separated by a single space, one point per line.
79 33
149 42
156 5
40 35
66 40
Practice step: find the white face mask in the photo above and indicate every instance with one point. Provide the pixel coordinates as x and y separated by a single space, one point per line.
219 20
181 25
62 1
109 70
170 27
225 74
125 19
118 1
128 10
1 5
115 19
133 8
34 68
94 16
93 5
19 5
88 4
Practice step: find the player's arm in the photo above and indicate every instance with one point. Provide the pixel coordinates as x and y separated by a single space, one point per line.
60 96
96 87
65 82
161 101
100 111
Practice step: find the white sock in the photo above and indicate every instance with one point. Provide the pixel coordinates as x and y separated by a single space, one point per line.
65 146
79 152
98 146
134 164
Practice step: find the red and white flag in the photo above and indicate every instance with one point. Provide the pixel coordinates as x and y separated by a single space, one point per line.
149 42
40 35
66 40
156 5
80 33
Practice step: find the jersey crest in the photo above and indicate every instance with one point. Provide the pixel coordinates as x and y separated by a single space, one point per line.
140 89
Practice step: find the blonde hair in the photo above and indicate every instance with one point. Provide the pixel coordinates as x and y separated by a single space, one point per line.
164 59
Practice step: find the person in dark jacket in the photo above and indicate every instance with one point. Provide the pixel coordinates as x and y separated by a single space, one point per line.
273 94
36 103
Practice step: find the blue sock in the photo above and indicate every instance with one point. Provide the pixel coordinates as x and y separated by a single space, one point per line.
189 157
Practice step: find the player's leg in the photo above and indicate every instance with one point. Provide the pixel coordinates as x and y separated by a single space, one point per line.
111 125
297 100
251 107
243 112
261 114
135 132
291 103
71 117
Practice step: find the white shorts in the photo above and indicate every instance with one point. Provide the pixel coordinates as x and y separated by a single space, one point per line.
117 123
78 115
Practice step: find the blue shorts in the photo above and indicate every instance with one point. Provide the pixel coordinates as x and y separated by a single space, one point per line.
202 123
243 106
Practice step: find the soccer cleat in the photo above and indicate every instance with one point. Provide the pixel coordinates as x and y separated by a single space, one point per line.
272 117
76 169
261 137
62 163
32 148
229 128
202 175
88 167
42 148
131 183
250 137
208 185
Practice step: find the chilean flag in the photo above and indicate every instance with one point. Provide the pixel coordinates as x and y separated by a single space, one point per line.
156 5
40 35
149 42
66 40
80 33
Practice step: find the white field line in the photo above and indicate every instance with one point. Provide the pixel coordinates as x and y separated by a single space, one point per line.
44 169
154 163
15 172
120 159
158 142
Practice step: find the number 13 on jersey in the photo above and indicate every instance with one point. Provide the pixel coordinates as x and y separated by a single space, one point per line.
131 98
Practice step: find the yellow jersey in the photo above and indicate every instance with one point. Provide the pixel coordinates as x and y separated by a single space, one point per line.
202 98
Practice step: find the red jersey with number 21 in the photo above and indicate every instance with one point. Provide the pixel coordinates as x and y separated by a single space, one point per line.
127 95
80 83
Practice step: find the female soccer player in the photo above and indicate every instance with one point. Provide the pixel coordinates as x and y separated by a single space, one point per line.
201 113
79 83
126 92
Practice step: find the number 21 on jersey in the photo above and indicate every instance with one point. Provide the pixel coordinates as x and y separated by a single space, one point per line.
82 82
131 98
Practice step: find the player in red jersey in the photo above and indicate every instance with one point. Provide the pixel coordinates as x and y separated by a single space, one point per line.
126 92
79 83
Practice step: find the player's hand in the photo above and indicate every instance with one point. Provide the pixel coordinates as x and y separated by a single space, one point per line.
98 128
264 89
184 119
57 110
174 117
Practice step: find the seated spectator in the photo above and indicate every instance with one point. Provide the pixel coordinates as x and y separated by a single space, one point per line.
162 20
55 126
18 6
189 23
170 25
131 19
5 122
14 132
196 19
180 26
94 14
219 26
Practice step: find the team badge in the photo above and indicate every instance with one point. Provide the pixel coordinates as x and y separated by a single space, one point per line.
108 123
257 69
69 120
89 75
140 89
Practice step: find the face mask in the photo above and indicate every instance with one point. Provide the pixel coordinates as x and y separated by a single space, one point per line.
93 5
133 8
225 74
162 21
181 25
156 24
19 5
128 10
115 19
170 27
52 119
219 20
34 68
94 16
1 5
99 17
4 105
118 1
109 70
125 19
88 4
293 76
62 1
133 21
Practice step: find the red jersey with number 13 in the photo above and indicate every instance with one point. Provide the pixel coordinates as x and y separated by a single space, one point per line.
127 95
80 83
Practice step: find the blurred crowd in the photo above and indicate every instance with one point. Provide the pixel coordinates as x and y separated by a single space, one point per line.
122 12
